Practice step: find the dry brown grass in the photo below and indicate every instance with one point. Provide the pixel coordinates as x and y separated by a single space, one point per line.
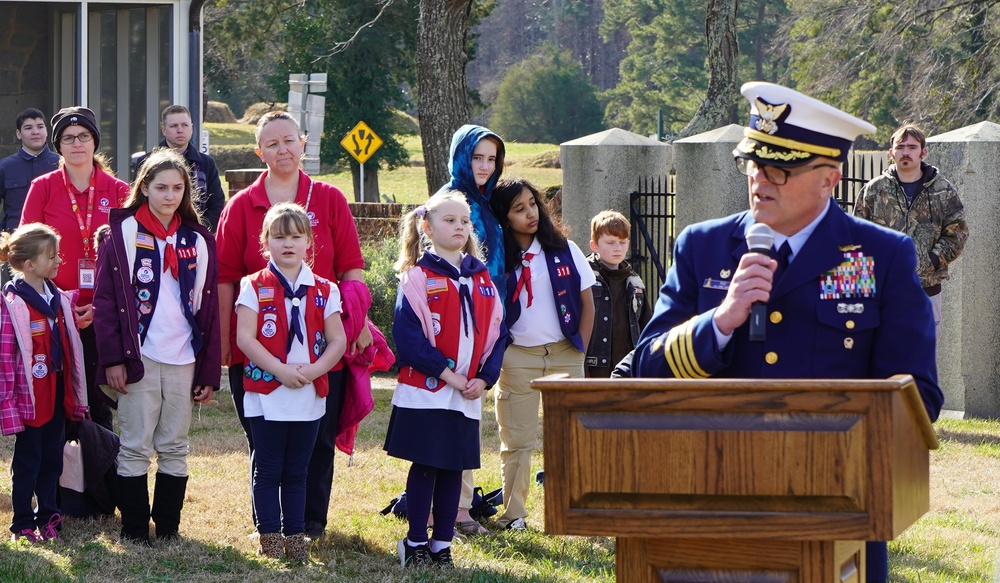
957 542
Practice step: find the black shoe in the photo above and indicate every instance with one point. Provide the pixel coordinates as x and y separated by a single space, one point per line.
442 558
417 556
540 478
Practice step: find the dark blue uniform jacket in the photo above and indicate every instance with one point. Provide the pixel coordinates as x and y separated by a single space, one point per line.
808 335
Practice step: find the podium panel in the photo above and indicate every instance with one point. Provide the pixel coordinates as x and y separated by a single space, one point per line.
673 467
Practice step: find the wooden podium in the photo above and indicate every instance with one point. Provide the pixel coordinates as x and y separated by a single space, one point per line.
735 480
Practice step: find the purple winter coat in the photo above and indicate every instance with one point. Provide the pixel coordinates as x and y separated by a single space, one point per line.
116 322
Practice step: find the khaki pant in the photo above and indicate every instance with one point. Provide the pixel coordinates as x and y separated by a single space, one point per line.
154 417
517 414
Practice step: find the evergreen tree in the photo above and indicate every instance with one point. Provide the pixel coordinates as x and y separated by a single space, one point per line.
546 98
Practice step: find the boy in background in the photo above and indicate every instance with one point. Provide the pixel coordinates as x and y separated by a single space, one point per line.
619 295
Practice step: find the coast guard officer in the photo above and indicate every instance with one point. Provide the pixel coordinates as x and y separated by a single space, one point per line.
841 293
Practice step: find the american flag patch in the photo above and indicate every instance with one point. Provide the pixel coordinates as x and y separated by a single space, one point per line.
145 241
436 284
265 294
37 327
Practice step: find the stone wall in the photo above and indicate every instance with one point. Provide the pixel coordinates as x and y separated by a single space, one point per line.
24 65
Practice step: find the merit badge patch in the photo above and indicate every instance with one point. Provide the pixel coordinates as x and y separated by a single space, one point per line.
436 323
39 369
854 278
145 241
143 295
270 327
145 273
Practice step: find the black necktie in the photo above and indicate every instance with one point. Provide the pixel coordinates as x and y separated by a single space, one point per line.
781 256
294 328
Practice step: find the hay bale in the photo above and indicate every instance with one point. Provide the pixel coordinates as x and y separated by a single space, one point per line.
219 112
253 113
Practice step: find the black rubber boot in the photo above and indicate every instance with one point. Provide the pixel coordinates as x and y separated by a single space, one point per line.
168 499
133 503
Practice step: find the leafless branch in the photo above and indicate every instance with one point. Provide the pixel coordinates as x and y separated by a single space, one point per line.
344 45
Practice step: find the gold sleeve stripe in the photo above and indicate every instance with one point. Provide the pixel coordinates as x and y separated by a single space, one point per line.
669 354
680 354
790 144
687 345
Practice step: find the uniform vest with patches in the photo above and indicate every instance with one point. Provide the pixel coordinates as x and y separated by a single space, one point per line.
146 273
43 376
565 280
446 309
272 329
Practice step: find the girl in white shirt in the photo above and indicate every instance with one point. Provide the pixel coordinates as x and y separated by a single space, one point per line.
289 327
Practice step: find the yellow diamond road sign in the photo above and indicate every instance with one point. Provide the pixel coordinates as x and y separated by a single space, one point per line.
361 142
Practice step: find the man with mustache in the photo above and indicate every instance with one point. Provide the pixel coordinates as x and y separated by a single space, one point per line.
911 196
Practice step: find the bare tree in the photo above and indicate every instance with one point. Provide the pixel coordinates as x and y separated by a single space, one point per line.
723 64
442 97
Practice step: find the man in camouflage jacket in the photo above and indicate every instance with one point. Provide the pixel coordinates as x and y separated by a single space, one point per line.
911 196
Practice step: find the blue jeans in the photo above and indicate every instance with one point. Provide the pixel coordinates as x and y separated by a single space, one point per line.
35 469
281 462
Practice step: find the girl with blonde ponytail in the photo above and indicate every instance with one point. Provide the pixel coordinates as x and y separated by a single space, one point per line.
449 337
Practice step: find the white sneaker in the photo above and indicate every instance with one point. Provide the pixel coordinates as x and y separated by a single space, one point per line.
517 524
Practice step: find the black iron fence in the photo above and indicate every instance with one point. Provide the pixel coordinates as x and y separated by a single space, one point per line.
652 207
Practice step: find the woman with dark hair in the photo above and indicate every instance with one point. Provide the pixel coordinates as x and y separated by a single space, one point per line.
76 200
549 315
337 256
158 320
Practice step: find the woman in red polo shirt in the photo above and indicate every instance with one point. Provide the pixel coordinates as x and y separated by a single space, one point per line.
75 201
336 256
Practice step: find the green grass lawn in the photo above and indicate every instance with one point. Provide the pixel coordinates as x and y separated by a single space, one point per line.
408 183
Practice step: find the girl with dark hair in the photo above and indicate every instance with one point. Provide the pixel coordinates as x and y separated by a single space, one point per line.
550 314
158 320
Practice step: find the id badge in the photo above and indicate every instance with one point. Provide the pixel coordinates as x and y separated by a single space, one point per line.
87 271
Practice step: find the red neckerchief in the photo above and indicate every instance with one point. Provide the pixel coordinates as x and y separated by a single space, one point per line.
154 226
525 280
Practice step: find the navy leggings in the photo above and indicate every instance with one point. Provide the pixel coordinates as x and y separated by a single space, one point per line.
424 485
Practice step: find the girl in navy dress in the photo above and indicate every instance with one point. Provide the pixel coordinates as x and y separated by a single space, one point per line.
449 334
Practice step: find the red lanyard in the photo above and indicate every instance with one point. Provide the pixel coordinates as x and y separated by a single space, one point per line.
84 228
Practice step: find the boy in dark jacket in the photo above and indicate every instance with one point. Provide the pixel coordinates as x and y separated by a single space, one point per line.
619 295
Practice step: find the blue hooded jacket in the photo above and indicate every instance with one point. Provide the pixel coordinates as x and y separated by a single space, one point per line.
485 223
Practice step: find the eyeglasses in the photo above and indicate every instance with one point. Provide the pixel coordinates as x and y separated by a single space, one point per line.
776 176
84 138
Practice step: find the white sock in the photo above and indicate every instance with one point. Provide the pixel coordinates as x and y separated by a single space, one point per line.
437 545
410 543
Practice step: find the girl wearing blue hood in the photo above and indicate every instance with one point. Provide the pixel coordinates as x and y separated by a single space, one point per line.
475 164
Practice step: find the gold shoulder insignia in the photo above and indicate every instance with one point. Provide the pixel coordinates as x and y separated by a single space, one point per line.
846 248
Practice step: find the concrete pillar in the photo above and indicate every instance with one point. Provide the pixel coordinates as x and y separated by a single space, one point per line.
708 183
599 172
968 351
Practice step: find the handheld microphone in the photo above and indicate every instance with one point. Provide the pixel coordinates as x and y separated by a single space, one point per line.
760 239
